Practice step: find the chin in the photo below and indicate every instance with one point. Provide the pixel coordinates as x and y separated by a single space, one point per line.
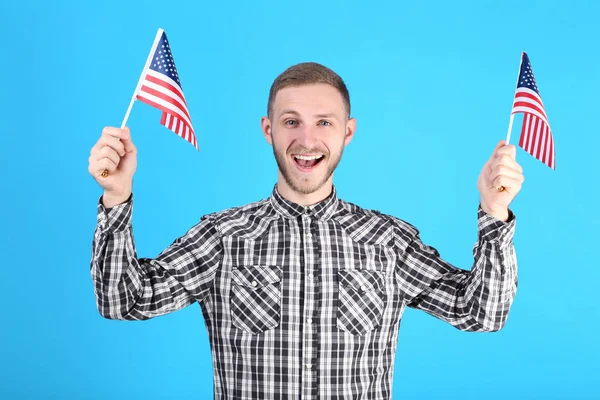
305 184
306 187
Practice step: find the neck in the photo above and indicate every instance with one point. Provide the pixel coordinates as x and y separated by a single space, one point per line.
304 199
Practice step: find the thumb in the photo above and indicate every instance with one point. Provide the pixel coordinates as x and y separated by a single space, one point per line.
490 160
500 144
127 142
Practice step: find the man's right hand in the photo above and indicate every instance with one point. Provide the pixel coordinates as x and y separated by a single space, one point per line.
115 152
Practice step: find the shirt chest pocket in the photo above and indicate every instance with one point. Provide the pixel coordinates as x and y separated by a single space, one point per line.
255 298
360 300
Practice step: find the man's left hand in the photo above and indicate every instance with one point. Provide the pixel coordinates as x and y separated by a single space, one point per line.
500 171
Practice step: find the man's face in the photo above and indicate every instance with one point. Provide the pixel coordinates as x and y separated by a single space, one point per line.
308 130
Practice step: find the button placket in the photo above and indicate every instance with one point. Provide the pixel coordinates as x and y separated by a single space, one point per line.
309 354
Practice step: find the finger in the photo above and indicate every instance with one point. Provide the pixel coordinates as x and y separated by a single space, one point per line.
508 183
128 143
99 166
489 161
498 145
503 170
510 150
507 161
107 152
116 132
111 142
493 156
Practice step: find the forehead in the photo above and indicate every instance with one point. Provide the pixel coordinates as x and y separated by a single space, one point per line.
313 98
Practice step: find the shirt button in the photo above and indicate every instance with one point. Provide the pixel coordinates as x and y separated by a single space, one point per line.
254 283
311 276
308 366
309 321
309 235
364 288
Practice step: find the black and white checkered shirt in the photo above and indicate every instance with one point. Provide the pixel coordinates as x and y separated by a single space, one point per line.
303 302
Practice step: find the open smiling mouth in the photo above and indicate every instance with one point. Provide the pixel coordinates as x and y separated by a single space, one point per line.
307 163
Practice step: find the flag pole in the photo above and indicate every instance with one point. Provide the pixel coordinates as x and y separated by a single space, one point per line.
510 124
512 116
146 66
137 87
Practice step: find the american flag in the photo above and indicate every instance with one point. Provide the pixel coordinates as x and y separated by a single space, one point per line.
161 88
536 136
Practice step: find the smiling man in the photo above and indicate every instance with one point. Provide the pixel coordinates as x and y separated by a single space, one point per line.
310 114
302 292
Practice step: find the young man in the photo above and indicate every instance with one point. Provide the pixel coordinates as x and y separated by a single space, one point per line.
302 292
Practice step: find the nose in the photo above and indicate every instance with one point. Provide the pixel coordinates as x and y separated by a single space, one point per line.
307 137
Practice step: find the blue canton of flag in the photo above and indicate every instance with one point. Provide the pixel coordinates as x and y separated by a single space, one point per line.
526 78
163 60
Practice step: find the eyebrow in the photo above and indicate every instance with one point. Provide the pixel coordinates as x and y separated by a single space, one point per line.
294 112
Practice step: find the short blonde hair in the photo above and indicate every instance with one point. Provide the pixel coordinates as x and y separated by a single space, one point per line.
305 74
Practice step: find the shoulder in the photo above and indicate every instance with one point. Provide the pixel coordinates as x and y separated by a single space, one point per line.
245 220
365 219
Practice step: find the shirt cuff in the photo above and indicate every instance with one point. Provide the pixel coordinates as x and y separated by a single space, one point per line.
492 229
117 218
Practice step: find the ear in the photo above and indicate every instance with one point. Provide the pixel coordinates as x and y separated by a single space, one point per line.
265 124
350 128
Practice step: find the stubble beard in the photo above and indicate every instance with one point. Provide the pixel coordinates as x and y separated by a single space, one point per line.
304 185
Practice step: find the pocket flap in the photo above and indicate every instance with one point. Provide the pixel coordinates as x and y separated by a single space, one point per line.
361 280
256 276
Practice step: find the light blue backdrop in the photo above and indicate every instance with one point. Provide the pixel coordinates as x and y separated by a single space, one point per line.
431 85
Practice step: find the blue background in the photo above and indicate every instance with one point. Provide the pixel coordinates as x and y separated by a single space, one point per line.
431 85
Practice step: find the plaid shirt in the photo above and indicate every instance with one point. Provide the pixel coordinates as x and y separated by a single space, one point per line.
303 302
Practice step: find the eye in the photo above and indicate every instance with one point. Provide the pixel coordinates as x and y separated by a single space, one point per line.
290 122
324 123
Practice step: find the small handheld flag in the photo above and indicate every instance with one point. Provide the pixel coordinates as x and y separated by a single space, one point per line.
159 86
536 135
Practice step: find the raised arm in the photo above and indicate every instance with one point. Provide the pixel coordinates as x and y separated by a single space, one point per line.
478 299
132 288
475 300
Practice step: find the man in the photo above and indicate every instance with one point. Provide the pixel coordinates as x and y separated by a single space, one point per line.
302 292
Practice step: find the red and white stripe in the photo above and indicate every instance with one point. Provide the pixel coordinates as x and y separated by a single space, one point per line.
536 139
160 91
179 127
536 135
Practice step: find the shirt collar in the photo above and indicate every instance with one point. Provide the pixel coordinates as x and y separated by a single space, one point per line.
322 210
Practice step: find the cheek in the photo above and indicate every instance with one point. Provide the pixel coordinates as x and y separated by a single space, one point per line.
334 146
280 146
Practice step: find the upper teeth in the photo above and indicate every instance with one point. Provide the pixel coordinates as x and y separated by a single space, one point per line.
308 157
